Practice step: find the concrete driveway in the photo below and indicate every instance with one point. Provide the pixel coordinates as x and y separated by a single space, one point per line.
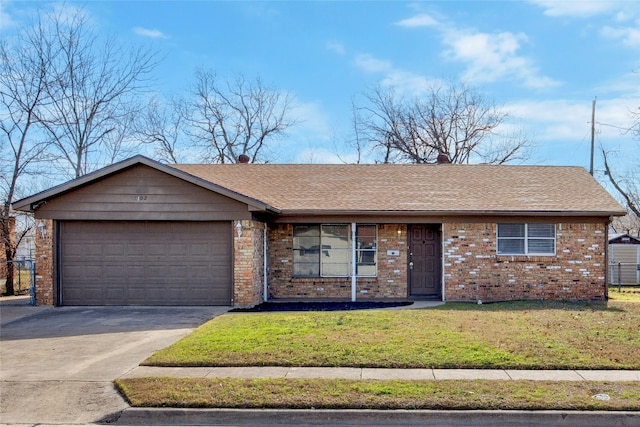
57 365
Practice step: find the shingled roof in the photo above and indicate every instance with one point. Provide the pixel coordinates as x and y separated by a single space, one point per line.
445 189
435 189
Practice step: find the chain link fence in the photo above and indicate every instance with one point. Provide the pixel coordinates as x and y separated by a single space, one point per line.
24 278
624 274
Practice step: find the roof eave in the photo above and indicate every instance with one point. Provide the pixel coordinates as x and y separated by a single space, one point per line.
544 213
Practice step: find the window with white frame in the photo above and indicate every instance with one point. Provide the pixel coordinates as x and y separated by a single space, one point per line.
326 250
366 250
526 239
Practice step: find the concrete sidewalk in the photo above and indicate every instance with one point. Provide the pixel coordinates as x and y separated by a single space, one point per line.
384 374
377 418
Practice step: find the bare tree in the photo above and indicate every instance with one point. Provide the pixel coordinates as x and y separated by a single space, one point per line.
24 78
162 127
94 88
629 189
233 117
356 143
454 120
627 182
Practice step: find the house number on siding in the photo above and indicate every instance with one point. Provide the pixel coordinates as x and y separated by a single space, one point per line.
141 198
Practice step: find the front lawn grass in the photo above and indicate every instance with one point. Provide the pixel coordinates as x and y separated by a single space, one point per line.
352 394
513 335
626 293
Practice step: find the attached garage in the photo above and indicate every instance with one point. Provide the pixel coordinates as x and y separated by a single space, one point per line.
145 263
142 233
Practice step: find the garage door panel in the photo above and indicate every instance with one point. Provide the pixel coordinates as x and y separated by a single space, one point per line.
145 263
134 249
177 249
112 272
157 249
203 248
113 249
114 293
201 273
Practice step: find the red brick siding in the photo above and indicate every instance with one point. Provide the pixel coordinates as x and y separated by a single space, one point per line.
248 266
390 283
473 271
44 264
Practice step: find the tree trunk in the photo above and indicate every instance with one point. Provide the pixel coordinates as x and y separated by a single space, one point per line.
8 251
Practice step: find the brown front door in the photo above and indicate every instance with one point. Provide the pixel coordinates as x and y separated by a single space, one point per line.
424 261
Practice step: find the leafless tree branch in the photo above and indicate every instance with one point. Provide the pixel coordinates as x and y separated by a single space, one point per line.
630 195
234 117
454 120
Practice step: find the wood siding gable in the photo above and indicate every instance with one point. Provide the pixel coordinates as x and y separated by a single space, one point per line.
142 193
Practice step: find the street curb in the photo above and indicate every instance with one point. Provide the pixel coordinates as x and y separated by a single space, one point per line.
298 417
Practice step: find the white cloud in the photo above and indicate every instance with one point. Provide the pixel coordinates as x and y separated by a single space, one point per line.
401 80
407 82
628 83
421 20
630 36
618 12
336 47
312 122
554 120
369 64
578 9
561 129
570 120
151 33
313 126
491 57
6 20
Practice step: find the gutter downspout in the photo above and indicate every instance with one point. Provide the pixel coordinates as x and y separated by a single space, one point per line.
607 268
442 266
265 290
353 262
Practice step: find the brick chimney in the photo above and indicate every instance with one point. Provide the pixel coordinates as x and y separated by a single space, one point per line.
243 158
442 158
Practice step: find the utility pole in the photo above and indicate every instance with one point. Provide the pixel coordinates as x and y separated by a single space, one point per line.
593 131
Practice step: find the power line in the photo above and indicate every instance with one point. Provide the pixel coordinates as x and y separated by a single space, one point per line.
626 129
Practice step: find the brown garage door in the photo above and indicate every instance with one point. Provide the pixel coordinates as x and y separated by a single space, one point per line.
145 263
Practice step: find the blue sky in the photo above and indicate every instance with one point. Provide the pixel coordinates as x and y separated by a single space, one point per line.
543 61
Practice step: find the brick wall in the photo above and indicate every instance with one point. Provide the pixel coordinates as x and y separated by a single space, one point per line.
390 283
44 264
248 266
473 270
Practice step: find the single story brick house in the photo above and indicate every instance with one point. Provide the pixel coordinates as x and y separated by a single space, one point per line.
143 233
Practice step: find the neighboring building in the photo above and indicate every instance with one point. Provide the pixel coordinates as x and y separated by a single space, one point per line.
139 232
27 247
624 259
